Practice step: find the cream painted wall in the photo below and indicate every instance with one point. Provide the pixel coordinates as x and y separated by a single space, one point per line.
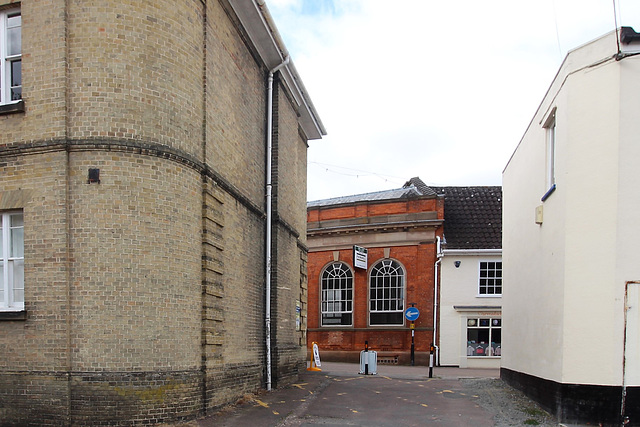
592 345
564 306
459 287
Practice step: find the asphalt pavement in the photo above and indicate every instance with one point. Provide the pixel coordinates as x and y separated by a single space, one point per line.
396 396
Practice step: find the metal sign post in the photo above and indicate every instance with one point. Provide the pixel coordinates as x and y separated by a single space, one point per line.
412 314
413 331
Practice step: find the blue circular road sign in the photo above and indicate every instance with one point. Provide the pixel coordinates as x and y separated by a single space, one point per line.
411 313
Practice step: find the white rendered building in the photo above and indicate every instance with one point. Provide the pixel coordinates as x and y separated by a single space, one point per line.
571 235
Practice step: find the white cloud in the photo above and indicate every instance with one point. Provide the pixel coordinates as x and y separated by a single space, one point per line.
440 90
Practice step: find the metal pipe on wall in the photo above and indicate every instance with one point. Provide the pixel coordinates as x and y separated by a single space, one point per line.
435 299
268 238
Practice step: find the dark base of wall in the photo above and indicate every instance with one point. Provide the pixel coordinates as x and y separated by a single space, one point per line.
99 398
31 398
578 403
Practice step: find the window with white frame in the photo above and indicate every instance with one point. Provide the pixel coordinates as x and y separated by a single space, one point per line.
484 337
490 281
386 293
11 261
11 56
550 130
336 283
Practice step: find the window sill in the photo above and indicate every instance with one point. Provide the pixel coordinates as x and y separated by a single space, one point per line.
548 193
15 107
484 357
13 315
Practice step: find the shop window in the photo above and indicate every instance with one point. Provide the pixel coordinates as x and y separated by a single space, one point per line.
484 337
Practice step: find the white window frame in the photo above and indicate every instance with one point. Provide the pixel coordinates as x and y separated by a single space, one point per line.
550 137
337 276
11 265
488 277
8 58
393 273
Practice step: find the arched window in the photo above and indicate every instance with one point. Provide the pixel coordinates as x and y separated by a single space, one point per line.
337 295
386 293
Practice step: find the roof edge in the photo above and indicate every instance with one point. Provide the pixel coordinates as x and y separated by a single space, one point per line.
263 34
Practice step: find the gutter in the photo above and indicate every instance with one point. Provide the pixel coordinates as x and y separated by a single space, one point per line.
265 38
268 238
439 256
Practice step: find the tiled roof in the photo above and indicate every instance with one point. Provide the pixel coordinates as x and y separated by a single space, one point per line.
472 217
412 188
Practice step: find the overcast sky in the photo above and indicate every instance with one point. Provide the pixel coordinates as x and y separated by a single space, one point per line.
440 90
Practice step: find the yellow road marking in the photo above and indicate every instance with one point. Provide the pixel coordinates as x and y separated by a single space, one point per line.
261 403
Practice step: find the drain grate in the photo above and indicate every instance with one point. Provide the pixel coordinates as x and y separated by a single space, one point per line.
387 360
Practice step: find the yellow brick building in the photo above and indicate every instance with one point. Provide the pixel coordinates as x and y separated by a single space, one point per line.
134 163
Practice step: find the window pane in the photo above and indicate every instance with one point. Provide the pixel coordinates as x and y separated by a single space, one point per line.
477 342
14 36
1 283
496 336
17 220
16 80
18 281
17 242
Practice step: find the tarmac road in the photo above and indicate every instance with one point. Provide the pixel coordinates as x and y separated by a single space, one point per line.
396 396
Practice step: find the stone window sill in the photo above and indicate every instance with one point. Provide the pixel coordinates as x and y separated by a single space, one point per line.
16 107
13 315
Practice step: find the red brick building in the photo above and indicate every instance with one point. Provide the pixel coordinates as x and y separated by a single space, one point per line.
348 305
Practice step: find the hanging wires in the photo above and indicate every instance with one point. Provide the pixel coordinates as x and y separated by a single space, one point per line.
615 21
555 20
358 173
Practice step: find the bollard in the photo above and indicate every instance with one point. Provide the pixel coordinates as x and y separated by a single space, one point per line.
366 357
431 361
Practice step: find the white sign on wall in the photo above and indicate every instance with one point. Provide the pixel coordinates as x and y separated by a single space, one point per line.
360 257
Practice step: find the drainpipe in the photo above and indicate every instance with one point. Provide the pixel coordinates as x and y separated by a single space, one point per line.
267 317
435 300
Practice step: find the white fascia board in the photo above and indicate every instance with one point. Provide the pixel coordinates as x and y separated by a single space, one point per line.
264 36
472 252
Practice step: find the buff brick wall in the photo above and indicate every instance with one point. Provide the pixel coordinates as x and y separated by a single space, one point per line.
135 268
126 60
35 352
235 136
166 269
43 75
289 172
